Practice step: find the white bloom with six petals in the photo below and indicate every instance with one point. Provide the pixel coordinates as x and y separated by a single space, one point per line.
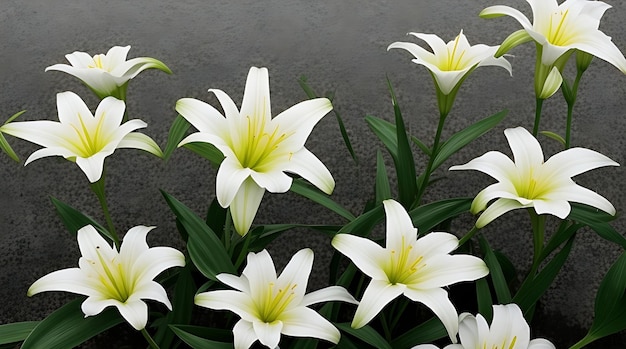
530 182
106 73
509 330
111 278
82 137
257 148
450 63
417 268
560 28
269 305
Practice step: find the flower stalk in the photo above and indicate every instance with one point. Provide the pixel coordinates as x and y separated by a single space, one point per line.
98 188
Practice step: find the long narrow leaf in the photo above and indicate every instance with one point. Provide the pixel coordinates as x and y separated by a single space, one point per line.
503 293
405 165
300 187
383 190
462 138
74 219
426 332
207 151
426 217
530 292
198 342
610 307
205 248
182 306
16 332
598 222
366 334
177 132
68 327
342 128
386 132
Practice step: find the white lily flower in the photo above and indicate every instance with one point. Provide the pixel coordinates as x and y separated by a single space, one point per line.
111 278
270 305
530 182
257 148
82 137
560 28
107 74
450 63
417 268
509 330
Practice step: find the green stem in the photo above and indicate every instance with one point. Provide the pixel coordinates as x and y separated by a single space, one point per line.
98 188
149 339
431 160
570 108
539 226
537 116
468 236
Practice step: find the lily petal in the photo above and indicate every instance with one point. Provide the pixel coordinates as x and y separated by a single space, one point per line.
245 205
330 293
305 322
309 167
268 333
376 296
436 299
364 253
244 335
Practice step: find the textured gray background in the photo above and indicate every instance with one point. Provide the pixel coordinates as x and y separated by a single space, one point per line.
340 46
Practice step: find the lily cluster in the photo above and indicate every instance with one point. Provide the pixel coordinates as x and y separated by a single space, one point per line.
412 271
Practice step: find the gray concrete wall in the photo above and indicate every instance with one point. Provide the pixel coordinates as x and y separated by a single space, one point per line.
340 46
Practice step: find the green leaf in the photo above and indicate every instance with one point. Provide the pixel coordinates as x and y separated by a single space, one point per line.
182 307
68 327
610 306
15 116
405 165
423 147
16 332
598 221
427 332
557 137
363 224
178 130
74 219
6 148
300 187
198 342
207 151
533 288
426 217
205 248
503 294
386 132
366 333
462 138
483 298
383 190
342 128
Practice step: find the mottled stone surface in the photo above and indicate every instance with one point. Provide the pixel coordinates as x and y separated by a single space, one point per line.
340 46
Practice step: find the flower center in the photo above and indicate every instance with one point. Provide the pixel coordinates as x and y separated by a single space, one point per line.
504 344
97 62
557 31
89 142
454 57
276 301
112 277
258 143
402 264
